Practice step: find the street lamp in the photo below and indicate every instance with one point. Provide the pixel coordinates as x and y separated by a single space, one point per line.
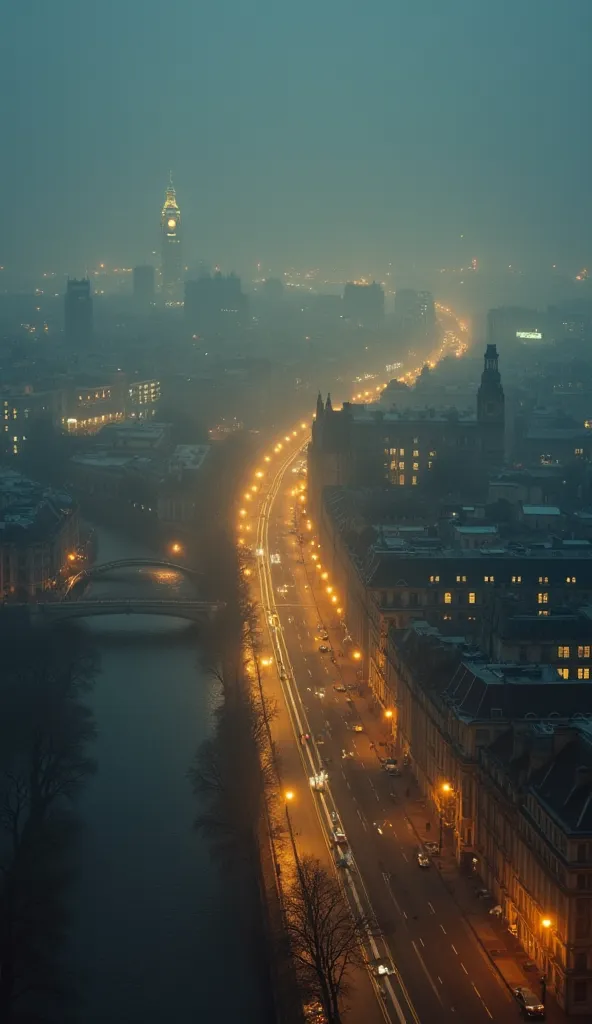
176 548
388 713
546 922
357 655
447 789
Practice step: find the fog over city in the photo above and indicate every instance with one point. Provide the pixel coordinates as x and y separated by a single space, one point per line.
295 512
324 135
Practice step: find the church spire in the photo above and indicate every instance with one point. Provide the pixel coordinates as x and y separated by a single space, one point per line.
328 406
320 408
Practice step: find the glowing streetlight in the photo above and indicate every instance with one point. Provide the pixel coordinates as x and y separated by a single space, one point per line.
546 922
303 426
289 795
324 575
259 474
267 458
446 787
243 512
388 713
176 548
340 611
334 599
329 590
357 655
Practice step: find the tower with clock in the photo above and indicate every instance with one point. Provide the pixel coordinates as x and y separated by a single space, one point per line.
170 226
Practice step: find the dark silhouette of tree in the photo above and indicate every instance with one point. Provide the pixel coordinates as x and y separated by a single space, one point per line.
325 938
44 731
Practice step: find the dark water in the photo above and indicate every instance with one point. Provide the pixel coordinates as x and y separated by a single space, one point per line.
153 935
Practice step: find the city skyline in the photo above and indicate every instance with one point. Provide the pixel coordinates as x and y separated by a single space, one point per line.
422 137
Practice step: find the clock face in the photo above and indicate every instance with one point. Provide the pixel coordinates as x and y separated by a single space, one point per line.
171 222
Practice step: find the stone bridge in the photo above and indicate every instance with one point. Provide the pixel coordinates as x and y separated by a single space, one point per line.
61 611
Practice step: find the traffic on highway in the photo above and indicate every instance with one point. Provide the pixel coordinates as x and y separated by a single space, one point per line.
348 792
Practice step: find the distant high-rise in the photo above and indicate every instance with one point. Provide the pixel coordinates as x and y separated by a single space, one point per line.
415 312
363 303
144 286
491 409
172 257
78 312
214 304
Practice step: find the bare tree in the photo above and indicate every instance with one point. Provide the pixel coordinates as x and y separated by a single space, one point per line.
325 937
44 730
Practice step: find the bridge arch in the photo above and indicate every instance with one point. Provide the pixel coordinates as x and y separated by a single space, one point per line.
102 568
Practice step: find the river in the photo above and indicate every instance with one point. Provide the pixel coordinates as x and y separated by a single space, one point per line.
152 935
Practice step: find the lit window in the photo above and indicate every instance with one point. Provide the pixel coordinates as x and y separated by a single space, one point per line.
563 652
472 598
584 652
432 455
578 451
461 579
401 451
413 481
447 618
489 579
447 597
543 598
429 464
541 612
563 673
401 479
434 579
570 579
401 465
416 465
583 673
516 579
416 453
543 579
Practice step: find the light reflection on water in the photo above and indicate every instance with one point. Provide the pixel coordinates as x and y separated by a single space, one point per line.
152 928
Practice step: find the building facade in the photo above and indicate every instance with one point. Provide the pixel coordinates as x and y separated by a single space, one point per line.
78 313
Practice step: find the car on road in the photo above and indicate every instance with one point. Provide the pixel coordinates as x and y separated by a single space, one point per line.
324 649
339 688
432 847
318 781
423 860
339 835
323 634
320 691
529 1003
358 728
314 1014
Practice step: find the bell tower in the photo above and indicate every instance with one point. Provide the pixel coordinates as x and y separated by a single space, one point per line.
170 226
491 410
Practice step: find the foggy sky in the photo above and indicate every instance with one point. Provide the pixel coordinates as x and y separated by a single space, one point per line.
318 133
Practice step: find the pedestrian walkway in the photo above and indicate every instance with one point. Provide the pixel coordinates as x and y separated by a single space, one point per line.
502 949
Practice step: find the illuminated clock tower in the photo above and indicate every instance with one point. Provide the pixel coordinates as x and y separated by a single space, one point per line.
170 226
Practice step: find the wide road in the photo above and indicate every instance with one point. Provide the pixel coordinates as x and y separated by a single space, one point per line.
442 972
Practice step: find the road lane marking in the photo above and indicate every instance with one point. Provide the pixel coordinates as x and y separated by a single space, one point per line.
439 979
373 790
422 942
403 854
463 967
427 974
455 950
443 928
431 907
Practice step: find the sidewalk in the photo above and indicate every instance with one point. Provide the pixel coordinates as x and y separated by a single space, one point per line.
502 949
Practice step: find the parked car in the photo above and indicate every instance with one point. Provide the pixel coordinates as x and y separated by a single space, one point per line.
323 649
423 860
339 688
358 728
529 1003
432 847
